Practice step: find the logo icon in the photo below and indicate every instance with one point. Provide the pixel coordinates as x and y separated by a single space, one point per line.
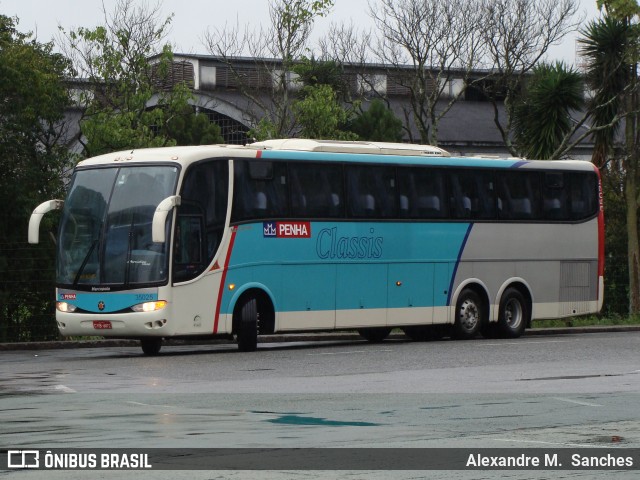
23 459
269 229
100 305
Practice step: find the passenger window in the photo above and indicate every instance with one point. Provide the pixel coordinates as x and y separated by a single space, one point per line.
473 195
554 196
518 195
316 190
260 190
421 193
371 191
584 195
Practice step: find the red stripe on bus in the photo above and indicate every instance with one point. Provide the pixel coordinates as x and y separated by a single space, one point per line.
225 268
601 236
259 154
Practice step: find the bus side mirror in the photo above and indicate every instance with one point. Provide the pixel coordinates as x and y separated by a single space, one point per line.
36 217
160 217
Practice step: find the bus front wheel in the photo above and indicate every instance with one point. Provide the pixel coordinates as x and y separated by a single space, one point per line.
151 345
469 315
248 326
513 314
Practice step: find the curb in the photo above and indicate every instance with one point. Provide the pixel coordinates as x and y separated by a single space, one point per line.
283 338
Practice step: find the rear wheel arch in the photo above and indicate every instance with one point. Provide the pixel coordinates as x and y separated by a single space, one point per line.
525 290
514 311
480 289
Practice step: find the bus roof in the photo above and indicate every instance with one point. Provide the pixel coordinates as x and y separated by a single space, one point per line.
328 150
335 146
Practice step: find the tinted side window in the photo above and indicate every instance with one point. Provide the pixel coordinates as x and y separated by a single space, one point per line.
472 195
555 196
421 193
316 190
583 195
518 195
201 217
371 191
260 190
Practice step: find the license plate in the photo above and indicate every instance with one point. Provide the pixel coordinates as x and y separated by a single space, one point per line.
102 324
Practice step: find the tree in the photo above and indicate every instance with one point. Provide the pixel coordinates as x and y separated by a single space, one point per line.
320 114
543 118
33 161
276 48
191 128
426 44
125 106
612 50
378 123
517 35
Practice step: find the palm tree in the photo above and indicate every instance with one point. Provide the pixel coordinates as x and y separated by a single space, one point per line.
542 119
610 47
604 47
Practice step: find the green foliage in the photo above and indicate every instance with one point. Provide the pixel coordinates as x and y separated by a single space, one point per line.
604 46
320 115
312 72
189 128
32 164
264 130
610 46
616 274
543 117
305 10
619 8
115 58
378 123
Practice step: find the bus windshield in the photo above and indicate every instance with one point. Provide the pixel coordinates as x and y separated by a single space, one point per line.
105 229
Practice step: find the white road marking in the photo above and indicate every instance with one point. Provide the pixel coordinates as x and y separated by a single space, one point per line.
577 402
64 388
523 342
347 353
149 405
545 443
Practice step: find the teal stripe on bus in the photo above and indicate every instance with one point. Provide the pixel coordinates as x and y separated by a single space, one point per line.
340 263
106 302
389 159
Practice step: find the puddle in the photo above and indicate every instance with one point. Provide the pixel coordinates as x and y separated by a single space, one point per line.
317 421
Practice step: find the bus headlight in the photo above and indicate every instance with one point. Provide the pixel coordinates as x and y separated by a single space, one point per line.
149 306
65 307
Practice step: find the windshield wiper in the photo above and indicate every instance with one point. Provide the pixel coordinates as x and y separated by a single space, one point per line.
84 262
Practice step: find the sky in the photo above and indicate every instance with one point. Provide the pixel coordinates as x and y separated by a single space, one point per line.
192 18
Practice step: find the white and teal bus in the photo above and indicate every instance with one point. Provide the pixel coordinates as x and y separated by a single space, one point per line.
301 235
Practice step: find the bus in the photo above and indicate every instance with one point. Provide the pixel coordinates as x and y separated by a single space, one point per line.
301 235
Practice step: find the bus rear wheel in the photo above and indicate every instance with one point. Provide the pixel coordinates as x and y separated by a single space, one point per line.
374 335
248 326
151 345
513 315
469 315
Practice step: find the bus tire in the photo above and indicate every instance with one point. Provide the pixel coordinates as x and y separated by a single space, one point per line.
469 319
151 345
248 326
513 314
374 335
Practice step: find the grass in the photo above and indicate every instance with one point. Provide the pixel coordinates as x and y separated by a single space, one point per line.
587 321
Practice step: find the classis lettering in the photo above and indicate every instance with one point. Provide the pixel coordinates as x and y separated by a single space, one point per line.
329 245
